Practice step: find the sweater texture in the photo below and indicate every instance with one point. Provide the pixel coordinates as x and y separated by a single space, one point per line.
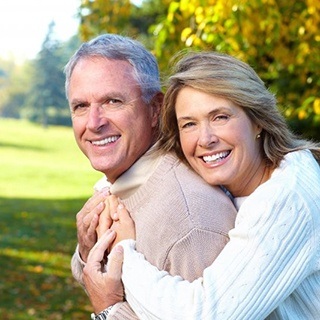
270 268
182 223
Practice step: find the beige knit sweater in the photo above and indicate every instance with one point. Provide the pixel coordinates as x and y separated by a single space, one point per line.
181 222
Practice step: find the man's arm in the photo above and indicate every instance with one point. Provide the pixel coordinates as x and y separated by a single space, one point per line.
91 210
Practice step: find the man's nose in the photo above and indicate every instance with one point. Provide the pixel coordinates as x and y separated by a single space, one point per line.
96 118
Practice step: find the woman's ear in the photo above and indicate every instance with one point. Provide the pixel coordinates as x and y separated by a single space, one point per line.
258 130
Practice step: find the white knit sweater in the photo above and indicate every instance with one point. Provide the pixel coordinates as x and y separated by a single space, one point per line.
269 269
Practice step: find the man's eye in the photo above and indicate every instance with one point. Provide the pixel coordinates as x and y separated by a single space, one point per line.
79 108
114 101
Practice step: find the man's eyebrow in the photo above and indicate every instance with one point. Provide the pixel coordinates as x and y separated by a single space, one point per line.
76 101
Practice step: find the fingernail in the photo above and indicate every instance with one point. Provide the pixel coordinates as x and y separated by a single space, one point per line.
120 206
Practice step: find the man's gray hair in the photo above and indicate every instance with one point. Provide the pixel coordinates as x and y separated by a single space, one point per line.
116 47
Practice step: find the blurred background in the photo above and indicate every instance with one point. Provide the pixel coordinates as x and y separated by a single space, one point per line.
44 178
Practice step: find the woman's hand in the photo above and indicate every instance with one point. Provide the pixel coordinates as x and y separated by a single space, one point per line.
105 220
87 222
122 223
104 287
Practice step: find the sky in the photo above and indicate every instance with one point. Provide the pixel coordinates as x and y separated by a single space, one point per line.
24 25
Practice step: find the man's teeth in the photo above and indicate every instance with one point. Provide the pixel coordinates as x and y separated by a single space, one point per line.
105 141
215 157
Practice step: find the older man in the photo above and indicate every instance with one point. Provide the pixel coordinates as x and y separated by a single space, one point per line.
182 224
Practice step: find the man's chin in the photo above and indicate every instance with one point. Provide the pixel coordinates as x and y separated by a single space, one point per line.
100 167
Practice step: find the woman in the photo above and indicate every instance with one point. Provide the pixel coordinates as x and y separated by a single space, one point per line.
219 117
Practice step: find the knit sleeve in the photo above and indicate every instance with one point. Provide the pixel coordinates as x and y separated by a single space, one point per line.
123 312
267 257
77 265
194 252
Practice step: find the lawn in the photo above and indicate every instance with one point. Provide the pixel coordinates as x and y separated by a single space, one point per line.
44 181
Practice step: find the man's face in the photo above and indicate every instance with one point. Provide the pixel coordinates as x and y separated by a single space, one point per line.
112 125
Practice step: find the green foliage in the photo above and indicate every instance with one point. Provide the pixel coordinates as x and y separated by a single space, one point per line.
47 90
104 15
44 181
121 17
14 84
35 89
280 39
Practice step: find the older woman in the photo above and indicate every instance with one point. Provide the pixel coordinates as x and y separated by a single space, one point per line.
219 117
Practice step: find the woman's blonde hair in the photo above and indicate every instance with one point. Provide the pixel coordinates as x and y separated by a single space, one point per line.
229 78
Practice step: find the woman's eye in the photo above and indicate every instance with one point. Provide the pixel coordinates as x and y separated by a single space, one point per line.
221 117
187 125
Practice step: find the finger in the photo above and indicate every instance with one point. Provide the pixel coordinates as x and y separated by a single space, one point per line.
115 261
97 252
89 206
104 219
114 202
95 199
123 214
88 219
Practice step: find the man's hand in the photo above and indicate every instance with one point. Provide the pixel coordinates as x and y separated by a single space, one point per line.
104 287
87 222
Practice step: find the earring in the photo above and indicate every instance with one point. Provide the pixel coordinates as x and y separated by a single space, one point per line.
258 136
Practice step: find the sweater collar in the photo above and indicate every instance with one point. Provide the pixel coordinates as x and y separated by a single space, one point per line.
134 177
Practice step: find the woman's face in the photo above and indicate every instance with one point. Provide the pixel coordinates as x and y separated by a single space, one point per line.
219 141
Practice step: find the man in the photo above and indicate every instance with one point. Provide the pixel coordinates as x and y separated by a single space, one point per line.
113 89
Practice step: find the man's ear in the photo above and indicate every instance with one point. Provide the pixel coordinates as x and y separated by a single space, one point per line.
156 104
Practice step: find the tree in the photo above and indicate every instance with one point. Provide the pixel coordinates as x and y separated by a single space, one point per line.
47 78
35 89
104 16
280 39
14 86
47 102
122 17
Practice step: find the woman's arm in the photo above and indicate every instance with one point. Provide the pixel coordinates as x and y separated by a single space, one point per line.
267 257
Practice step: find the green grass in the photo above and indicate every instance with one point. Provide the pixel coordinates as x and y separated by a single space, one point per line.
44 181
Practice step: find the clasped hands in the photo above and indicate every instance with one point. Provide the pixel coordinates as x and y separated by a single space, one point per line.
101 224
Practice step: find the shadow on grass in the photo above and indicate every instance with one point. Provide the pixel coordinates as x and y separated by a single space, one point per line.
37 239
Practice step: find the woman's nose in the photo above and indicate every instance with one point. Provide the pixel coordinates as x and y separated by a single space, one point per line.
207 136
